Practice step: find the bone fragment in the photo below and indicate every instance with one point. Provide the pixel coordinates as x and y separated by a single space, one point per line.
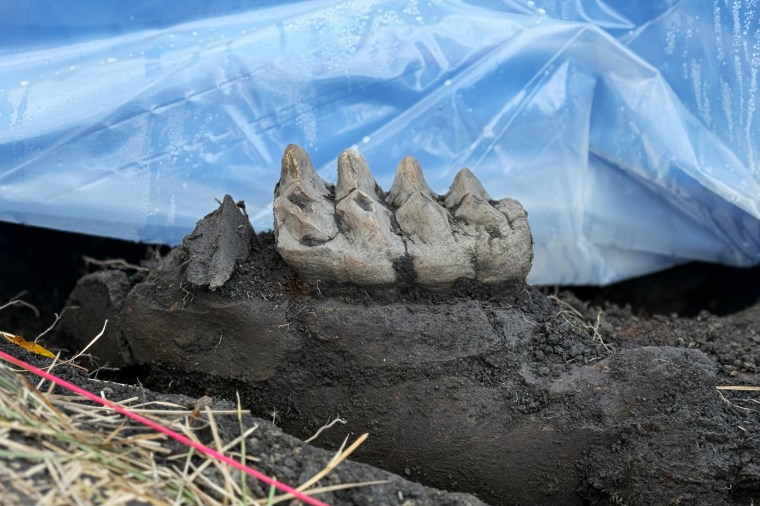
220 241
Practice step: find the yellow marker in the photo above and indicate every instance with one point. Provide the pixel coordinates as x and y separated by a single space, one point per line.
33 347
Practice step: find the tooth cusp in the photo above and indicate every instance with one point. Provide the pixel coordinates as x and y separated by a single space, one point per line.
353 174
408 182
465 183
298 169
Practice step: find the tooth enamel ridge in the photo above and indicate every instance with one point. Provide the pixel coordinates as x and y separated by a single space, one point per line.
356 233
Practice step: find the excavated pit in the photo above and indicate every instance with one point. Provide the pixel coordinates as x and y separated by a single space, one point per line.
514 395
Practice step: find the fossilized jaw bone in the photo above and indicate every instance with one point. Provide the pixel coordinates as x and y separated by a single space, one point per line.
356 233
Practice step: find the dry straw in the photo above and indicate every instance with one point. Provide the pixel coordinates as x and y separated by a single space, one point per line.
63 449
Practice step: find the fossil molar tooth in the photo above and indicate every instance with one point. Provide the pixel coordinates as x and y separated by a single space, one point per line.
345 242
358 234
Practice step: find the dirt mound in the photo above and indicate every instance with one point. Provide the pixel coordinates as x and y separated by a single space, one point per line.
519 398
275 453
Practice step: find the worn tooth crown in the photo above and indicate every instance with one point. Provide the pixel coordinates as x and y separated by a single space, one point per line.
408 181
353 174
303 214
361 235
465 183
298 169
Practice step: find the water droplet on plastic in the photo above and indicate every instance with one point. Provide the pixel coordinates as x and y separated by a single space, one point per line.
541 11
24 83
365 139
111 60
447 82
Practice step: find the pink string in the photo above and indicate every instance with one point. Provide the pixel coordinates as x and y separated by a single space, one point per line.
160 428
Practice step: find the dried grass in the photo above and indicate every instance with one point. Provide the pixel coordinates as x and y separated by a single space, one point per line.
575 318
61 449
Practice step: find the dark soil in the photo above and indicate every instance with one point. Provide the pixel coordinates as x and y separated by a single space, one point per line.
513 395
279 455
42 266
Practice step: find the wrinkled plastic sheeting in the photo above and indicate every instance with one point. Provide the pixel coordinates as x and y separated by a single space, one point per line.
628 130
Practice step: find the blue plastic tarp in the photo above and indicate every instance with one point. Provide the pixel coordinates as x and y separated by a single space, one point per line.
628 130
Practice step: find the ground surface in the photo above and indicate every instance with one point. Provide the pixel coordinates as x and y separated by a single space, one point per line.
659 432
276 454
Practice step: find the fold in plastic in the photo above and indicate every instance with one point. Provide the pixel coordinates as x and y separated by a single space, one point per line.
629 132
